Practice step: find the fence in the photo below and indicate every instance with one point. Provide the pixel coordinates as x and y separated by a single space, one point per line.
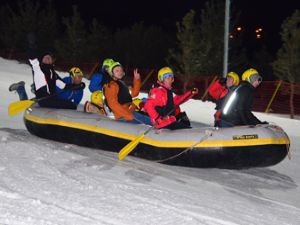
270 96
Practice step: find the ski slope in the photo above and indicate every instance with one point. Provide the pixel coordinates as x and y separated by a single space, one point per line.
46 182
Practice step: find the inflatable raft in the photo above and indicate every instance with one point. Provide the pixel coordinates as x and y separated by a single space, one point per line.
202 146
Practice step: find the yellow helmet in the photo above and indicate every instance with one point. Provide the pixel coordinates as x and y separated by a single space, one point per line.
112 66
235 76
107 62
97 98
163 73
75 72
246 75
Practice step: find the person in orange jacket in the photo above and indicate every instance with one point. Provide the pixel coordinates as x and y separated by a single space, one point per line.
163 107
118 97
220 89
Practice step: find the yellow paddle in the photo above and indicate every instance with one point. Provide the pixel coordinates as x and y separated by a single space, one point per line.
131 145
19 106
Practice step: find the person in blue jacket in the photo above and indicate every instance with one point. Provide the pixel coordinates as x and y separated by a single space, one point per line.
73 95
101 77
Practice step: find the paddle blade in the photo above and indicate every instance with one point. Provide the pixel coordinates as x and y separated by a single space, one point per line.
17 107
129 147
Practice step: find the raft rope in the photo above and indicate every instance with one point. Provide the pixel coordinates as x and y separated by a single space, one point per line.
208 133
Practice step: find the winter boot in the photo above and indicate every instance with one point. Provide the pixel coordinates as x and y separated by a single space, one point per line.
20 89
15 86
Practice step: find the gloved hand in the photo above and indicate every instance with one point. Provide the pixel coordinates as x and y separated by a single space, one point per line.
222 81
161 122
194 91
75 86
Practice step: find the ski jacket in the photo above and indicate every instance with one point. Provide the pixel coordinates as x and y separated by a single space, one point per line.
218 91
45 79
74 96
98 80
119 99
162 106
238 105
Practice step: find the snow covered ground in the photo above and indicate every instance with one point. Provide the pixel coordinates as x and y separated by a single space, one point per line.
46 182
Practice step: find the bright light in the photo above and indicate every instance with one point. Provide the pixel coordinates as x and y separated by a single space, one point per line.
239 28
229 102
230 36
258 30
258 36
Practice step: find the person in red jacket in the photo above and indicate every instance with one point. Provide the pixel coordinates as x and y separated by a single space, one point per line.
220 89
162 106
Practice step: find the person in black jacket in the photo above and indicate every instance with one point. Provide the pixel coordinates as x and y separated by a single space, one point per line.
236 110
46 79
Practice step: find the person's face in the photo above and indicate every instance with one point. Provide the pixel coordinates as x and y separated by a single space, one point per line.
256 83
47 59
118 72
168 81
77 80
229 81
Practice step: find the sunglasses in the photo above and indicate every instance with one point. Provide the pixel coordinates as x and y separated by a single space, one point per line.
168 75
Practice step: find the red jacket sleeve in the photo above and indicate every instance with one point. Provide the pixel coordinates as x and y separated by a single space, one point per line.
179 99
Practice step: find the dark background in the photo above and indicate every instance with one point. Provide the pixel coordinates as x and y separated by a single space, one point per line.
253 14
249 14
118 14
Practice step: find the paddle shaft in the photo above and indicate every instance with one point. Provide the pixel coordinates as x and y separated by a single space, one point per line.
19 106
131 145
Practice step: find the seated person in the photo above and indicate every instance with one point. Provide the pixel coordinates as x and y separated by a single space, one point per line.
236 109
119 99
163 107
72 95
100 78
220 89
46 79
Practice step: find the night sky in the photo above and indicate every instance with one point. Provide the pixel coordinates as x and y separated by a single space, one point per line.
117 13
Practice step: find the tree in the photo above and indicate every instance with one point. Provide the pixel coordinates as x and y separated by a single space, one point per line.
262 61
186 59
99 42
199 45
140 45
27 17
287 65
73 44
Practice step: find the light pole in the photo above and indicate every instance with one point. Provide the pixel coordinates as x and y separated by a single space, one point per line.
226 38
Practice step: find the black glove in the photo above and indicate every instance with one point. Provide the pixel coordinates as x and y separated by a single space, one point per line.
32 46
74 87
222 81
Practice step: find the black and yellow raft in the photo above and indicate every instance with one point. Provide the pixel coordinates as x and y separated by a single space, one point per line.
202 146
